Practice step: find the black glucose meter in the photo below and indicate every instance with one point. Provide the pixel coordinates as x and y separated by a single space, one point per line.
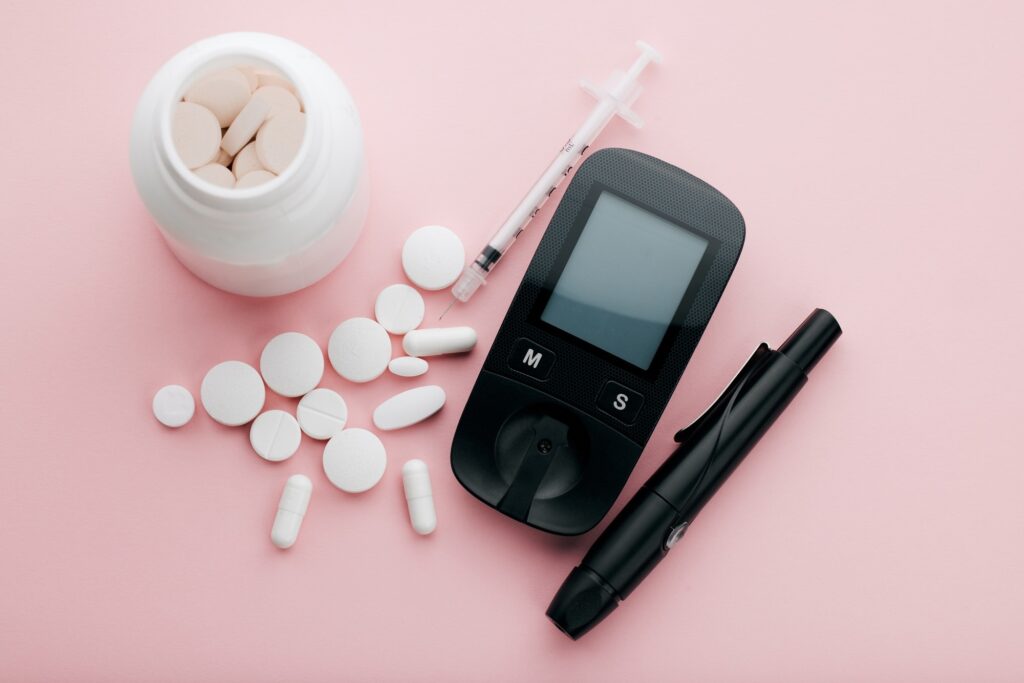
606 318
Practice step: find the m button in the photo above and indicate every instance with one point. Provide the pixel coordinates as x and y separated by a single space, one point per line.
620 402
531 359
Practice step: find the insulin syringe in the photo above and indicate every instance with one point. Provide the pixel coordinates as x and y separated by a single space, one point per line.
615 97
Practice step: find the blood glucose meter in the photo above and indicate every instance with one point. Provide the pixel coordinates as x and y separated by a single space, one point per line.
605 320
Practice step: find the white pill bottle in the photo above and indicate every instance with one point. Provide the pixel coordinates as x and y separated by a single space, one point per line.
273 238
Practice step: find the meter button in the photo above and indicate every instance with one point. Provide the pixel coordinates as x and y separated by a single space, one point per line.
531 359
620 402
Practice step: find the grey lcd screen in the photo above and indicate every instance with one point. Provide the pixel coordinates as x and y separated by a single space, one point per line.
624 280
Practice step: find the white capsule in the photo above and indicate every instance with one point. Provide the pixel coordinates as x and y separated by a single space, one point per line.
435 341
290 511
419 496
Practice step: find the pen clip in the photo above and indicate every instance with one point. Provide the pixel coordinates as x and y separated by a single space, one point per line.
755 360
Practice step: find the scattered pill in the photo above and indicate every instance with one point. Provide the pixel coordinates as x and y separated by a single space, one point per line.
292 364
419 496
275 435
290 511
279 139
433 257
232 393
408 408
435 341
359 349
254 178
196 134
355 460
279 99
217 175
399 308
246 161
224 93
244 126
173 405
408 366
322 413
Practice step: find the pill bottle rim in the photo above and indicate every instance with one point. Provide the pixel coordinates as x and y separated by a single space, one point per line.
230 197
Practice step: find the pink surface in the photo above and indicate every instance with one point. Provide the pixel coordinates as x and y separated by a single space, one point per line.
875 534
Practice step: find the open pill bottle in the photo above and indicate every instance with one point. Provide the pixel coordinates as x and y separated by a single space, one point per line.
273 238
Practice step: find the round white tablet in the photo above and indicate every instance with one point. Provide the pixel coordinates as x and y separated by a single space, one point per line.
253 179
173 405
233 393
399 308
279 99
292 364
279 140
354 460
224 93
275 435
359 349
433 257
322 413
408 366
216 174
196 134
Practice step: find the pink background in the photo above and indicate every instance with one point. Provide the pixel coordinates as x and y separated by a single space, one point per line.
876 533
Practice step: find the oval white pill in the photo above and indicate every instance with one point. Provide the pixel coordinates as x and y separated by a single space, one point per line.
275 435
233 393
253 179
408 366
292 364
419 496
245 125
435 341
279 140
322 413
246 161
291 508
399 308
355 460
196 134
173 405
216 174
279 99
224 93
433 257
408 407
359 349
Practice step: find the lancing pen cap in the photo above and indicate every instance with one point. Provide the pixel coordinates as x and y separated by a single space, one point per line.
710 449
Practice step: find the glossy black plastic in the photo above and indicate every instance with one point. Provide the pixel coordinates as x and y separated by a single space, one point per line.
710 449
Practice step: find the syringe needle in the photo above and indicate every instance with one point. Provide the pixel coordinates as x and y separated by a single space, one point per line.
447 308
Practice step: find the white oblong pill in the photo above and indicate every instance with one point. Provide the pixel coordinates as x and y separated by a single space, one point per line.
322 413
355 460
409 407
279 99
435 341
216 174
173 405
224 93
275 435
253 179
292 364
246 161
233 393
196 134
433 257
419 496
408 366
245 125
399 308
359 349
291 508
279 140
